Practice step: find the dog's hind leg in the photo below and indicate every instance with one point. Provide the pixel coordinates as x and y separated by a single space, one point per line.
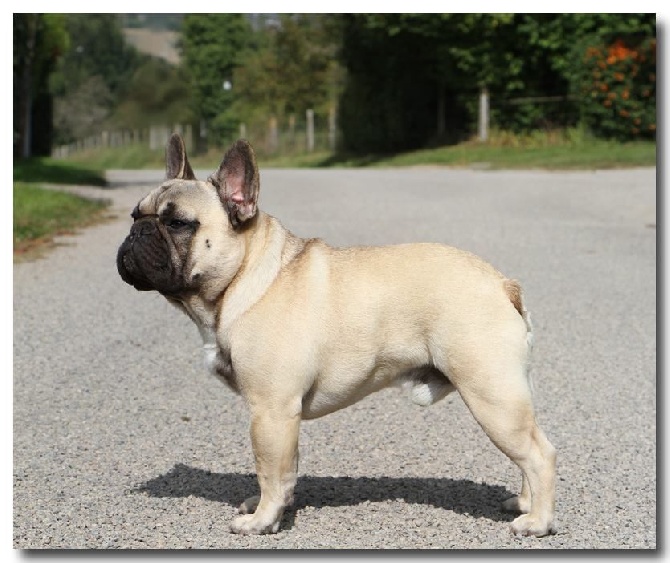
499 398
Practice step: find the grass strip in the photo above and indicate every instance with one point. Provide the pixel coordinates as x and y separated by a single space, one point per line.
40 214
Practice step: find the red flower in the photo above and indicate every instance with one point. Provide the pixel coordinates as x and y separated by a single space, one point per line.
619 52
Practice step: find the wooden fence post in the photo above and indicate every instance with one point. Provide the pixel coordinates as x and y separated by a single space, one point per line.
188 137
332 127
291 131
273 138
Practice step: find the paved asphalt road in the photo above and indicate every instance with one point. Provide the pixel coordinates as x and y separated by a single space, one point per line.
123 440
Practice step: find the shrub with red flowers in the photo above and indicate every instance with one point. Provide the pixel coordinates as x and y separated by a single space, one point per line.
616 87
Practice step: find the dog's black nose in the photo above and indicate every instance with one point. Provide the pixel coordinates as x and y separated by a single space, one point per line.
143 227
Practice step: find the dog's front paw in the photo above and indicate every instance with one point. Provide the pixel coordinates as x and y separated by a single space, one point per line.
530 525
253 524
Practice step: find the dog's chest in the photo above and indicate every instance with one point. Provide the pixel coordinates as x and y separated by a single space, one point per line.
219 364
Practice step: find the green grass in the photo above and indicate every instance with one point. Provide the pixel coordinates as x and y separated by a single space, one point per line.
48 170
590 157
40 214
562 150
568 151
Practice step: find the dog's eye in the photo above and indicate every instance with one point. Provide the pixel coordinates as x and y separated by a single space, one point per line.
177 224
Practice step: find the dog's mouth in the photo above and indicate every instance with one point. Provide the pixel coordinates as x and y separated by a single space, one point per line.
129 269
144 261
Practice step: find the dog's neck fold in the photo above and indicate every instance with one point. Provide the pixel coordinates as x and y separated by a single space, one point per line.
265 255
265 241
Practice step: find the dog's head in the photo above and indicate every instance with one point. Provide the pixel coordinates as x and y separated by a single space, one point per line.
188 235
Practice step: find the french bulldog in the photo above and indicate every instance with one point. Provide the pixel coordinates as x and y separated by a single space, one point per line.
301 329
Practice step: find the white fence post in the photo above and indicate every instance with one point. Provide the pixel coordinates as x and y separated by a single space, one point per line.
310 130
483 115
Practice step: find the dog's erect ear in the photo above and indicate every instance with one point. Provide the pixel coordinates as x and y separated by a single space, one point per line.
237 182
176 162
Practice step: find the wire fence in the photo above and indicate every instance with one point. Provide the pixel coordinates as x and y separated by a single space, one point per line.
313 132
155 137
469 117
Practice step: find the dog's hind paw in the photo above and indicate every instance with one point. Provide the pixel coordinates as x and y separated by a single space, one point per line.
250 505
253 524
516 504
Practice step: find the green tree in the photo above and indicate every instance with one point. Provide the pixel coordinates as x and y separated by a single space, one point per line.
39 40
290 67
157 92
92 76
211 47
413 78
390 92
98 48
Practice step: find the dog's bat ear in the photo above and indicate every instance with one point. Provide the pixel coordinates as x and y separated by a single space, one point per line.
237 181
176 162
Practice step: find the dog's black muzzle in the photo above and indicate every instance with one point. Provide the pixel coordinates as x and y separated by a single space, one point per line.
143 259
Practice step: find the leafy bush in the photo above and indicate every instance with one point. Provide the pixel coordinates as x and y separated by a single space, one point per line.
617 87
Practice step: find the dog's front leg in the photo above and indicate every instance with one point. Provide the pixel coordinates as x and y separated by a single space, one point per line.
274 438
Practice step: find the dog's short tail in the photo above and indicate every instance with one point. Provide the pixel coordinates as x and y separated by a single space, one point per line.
515 295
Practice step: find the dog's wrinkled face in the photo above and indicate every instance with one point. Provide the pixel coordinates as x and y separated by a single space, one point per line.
186 236
175 227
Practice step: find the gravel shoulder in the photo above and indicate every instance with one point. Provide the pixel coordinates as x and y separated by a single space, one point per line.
122 440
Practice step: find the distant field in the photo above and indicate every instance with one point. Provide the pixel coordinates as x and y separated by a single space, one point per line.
154 42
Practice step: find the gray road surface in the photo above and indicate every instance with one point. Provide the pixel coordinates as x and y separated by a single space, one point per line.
122 440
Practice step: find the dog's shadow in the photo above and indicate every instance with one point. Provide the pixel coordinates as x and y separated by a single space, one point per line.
478 500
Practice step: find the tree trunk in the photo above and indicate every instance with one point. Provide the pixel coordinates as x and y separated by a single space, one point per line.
28 85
